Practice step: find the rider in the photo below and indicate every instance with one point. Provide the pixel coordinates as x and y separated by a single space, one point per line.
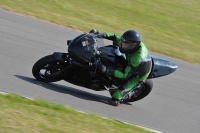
138 58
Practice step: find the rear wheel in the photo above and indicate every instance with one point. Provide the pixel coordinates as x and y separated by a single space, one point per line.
45 69
148 85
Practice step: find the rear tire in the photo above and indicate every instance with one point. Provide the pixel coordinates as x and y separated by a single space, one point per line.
148 87
44 67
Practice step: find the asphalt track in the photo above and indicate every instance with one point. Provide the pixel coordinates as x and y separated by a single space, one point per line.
173 106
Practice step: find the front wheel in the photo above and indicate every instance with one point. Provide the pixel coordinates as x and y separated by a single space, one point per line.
148 85
45 69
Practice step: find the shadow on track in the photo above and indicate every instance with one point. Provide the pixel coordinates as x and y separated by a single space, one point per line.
68 90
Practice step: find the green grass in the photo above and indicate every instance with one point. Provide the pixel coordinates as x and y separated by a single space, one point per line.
170 27
19 115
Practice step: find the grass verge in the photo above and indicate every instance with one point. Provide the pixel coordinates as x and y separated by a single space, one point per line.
168 27
20 115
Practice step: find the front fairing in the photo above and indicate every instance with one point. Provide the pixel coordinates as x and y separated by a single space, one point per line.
79 49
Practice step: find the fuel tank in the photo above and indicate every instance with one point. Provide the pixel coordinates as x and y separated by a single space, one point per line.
110 57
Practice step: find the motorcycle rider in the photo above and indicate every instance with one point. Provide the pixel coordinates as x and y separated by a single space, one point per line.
137 55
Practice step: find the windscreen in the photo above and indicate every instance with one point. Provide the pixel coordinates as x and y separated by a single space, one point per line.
89 44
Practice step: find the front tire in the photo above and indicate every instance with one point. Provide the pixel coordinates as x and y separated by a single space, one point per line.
45 67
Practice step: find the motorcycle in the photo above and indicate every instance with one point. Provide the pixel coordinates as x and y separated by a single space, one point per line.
79 66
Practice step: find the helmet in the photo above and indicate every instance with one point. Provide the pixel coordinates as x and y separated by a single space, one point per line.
130 41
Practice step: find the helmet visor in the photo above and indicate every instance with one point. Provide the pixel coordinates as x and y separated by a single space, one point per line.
126 45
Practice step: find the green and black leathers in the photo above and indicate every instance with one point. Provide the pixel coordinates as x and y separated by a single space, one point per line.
139 65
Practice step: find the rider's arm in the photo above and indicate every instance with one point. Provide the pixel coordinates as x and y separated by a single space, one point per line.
133 63
113 37
123 75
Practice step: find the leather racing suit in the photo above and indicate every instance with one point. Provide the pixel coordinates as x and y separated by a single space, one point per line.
137 70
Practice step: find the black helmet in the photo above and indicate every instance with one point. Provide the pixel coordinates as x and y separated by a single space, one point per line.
130 41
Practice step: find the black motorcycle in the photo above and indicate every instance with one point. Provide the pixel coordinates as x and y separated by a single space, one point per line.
79 66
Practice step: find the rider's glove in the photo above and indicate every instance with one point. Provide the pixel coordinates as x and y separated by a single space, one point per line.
99 35
108 70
